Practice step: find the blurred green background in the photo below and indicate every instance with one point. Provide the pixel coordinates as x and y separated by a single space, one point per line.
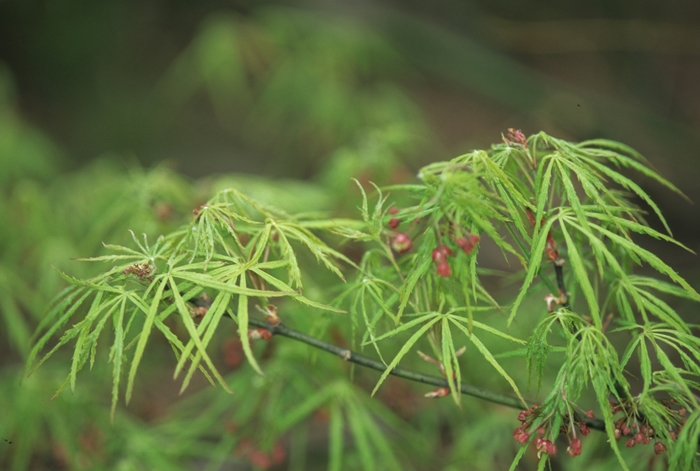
317 91
273 88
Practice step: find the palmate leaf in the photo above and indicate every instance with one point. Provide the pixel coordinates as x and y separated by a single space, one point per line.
116 354
488 356
322 252
195 339
450 362
66 297
685 452
279 284
539 242
430 319
161 281
582 277
242 318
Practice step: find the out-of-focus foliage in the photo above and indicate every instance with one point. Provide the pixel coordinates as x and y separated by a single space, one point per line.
314 86
292 83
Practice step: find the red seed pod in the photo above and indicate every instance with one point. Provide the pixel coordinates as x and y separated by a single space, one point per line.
575 448
659 448
539 443
393 223
467 244
521 436
550 448
585 430
443 269
639 437
630 443
589 414
394 211
541 430
618 433
401 243
625 430
441 253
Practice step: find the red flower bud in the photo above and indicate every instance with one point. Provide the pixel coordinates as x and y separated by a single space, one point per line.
394 211
443 269
585 430
659 448
630 443
549 448
575 448
467 244
521 436
401 243
393 223
589 414
617 433
441 253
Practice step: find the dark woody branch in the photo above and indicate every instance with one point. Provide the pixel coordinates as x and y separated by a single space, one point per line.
354 357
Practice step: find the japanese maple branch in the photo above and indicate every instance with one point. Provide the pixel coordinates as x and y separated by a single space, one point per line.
354 357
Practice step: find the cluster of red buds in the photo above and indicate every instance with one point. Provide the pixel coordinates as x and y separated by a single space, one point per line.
394 222
515 137
640 431
401 242
440 255
467 243
527 418
142 270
